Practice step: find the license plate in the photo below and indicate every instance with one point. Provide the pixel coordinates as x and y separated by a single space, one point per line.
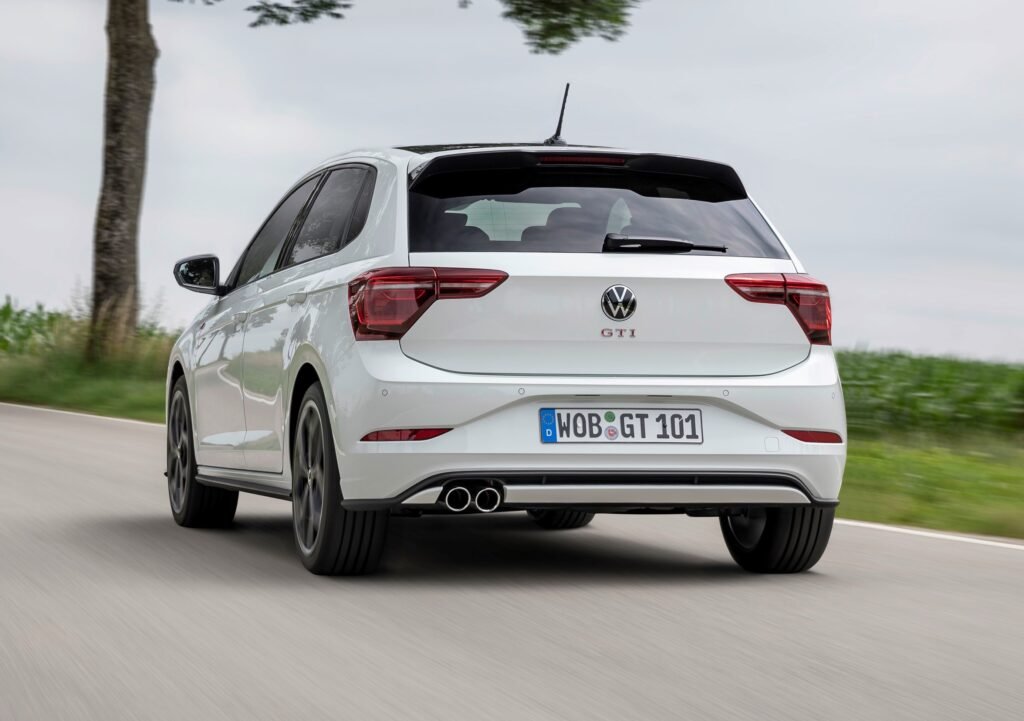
621 425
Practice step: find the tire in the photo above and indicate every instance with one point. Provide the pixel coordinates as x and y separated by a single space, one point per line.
193 505
778 540
560 519
331 540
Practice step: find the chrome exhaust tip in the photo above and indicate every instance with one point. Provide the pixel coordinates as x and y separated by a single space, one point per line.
457 499
487 499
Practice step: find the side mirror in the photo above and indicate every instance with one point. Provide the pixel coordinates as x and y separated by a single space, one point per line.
200 273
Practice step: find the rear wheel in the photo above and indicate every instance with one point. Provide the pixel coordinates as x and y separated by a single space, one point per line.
331 540
778 540
560 519
192 504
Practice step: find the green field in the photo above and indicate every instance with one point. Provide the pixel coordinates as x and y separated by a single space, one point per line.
934 442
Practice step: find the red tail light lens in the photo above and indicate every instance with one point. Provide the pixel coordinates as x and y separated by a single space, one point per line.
806 298
815 436
386 302
405 434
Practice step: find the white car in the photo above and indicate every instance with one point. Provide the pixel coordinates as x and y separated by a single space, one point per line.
560 330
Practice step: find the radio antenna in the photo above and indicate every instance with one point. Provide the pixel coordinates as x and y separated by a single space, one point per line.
556 139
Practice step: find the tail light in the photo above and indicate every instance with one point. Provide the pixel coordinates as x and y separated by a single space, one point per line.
806 297
386 302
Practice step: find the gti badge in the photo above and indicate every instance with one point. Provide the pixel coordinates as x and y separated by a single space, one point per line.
618 302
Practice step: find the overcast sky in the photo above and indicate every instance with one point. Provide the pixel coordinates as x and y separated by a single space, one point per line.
884 139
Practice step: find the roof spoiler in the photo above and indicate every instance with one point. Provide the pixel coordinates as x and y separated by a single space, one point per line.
565 157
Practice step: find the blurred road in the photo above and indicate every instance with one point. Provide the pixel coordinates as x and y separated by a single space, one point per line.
108 611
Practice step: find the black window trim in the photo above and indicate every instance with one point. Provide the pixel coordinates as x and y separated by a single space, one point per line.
361 205
320 174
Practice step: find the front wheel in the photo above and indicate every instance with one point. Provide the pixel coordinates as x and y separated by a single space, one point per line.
778 540
331 540
192 504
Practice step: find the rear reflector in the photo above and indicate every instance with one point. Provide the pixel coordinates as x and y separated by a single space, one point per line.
405 434
806 298
815 436
384 303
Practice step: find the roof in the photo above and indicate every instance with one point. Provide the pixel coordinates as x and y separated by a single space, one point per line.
431 149
414 158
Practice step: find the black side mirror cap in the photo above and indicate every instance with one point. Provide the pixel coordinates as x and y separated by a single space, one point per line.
200 273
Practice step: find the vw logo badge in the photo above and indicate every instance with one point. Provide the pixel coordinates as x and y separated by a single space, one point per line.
618 302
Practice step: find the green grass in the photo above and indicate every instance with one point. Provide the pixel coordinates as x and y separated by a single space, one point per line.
902 411
974 487
42 363
63 383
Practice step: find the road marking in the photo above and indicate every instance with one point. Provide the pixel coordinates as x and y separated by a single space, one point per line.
932 534
81 415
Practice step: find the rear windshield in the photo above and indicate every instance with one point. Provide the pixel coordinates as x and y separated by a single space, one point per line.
557 210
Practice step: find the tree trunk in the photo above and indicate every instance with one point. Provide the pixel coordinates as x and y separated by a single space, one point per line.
131 59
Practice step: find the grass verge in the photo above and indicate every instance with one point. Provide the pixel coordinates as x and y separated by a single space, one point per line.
974 486
65 383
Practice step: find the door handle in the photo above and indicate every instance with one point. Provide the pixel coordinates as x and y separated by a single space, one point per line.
296 298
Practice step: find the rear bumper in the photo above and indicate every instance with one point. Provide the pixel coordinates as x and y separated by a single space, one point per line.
495 435
603 491
651 496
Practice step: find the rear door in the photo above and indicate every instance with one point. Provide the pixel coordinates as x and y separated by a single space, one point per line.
335 218
567 307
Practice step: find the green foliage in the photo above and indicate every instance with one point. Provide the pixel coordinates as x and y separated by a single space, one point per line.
901 393
268 12
23 330
551 26
296 11
45 339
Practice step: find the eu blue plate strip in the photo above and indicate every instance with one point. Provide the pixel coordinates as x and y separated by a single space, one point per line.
548 429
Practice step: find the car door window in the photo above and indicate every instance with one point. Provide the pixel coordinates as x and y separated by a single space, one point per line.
336 216
261 256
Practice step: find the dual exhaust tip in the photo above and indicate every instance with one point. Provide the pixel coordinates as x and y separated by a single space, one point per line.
459 498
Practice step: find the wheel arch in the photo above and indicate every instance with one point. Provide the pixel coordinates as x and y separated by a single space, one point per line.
305 377
177 371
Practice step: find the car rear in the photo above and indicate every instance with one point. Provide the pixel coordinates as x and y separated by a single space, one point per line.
528 348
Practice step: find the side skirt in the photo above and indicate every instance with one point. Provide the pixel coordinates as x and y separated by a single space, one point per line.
261 484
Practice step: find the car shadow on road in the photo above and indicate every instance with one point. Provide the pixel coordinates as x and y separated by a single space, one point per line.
511 548
433 550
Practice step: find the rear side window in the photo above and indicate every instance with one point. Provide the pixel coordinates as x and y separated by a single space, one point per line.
336 217
570 210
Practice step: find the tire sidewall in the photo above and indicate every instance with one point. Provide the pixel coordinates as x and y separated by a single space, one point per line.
772 552
325 542
181 388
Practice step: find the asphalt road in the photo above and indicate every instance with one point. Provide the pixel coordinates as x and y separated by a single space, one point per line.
108 610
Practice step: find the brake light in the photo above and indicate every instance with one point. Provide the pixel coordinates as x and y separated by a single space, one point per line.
815 436
573 159
405 434
386 302
806 297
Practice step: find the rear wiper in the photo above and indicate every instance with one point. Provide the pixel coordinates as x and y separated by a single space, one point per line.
618 243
